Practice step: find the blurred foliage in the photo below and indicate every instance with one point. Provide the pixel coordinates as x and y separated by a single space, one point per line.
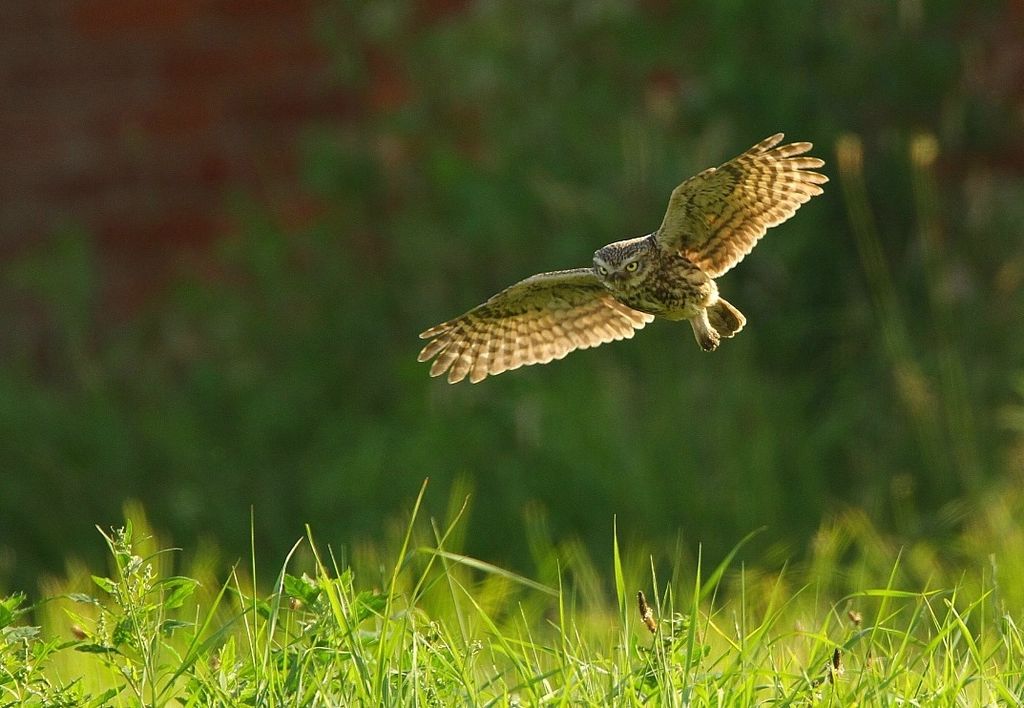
490 140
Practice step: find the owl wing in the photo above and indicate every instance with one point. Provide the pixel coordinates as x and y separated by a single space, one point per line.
715 218
534 321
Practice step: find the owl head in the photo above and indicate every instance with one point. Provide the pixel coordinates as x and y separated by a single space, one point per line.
623 262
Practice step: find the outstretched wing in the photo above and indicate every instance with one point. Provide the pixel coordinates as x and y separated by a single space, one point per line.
534 321
715 218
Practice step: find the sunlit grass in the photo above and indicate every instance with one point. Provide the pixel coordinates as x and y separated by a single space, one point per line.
862 621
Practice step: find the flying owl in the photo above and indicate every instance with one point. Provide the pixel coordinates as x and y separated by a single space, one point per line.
713 220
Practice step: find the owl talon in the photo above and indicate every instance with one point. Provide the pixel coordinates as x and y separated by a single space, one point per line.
707 336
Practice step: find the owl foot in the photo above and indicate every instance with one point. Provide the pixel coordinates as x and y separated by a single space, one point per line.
710 342
725 319
707 336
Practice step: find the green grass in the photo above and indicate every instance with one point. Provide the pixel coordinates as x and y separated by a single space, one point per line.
861 621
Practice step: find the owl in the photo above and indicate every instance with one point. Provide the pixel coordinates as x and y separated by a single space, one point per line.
713 220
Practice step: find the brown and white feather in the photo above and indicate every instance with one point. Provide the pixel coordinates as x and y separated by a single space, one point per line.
716 217
534 321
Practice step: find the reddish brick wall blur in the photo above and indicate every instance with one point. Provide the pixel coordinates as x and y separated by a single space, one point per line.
135 117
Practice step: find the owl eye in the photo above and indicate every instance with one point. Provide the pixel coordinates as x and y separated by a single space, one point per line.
602 270
631 266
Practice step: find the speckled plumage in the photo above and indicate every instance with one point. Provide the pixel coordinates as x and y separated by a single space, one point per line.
713 220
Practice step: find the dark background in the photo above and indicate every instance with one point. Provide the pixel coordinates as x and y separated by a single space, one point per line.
224 223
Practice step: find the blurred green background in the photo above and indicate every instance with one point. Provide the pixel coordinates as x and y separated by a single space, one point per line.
881 367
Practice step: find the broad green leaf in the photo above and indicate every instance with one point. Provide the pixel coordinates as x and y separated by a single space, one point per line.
181 589
105 584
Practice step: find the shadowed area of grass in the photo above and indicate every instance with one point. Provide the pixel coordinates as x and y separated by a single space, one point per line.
278 370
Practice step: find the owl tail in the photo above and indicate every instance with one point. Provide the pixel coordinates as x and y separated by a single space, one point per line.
725 318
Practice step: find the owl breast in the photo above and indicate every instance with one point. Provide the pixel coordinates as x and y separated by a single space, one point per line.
671 287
